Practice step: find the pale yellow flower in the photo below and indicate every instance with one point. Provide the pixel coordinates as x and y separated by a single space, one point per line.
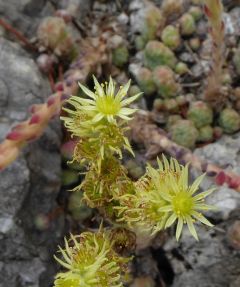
105 104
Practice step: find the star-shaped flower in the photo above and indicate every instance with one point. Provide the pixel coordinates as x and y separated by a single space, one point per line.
181 203
105 104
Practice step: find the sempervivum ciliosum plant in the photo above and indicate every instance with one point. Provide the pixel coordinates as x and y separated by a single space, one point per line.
154 202
214 12
90 261
164 196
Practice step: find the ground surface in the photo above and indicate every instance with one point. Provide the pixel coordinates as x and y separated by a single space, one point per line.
32 217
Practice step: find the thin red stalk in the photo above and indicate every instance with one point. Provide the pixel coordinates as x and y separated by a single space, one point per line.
143 130
18 34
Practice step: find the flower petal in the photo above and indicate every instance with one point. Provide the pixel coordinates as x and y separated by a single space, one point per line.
166 196
202 218
123 91
173 184
165 162
111 88
88 108
110 118
160 165
130 100
202 206
98 87
179 228
171 220
124 117
87 91
81 100
98 117
165 208
191 227
183 180
177 166
127 111
196 184
204 194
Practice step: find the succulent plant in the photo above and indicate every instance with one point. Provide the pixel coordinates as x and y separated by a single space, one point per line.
195 43
153 21
172 120
200 114
67 150
196 12
172 7
181 68
171 37
134 90
171 105
229 120
187 24
226 78
217 132
157 54
140 42
184 133
196 2
144 78
69 177
205 134
158 105
53 33
78 209
181 100
134 169
120 56
165 81
236 60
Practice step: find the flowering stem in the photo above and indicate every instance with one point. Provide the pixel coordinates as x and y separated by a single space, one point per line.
33 128
214 12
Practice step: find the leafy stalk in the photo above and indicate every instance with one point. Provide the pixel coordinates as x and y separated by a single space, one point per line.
33 128
214 12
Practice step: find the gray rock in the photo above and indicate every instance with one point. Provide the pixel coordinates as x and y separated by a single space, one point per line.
225 200
76 8
28 187
22 84
235 19
224 153
25 15
211 262
218 153
6 224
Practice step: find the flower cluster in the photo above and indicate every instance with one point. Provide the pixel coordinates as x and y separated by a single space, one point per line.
102 187
100 120
90 261
164 196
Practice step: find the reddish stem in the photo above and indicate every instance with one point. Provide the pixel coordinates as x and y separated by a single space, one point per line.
18 34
